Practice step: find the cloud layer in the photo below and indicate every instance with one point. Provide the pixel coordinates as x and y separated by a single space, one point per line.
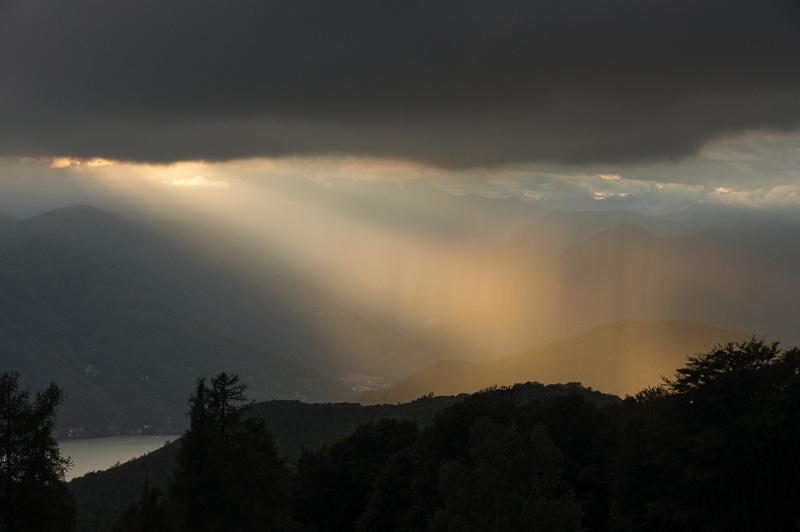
455 83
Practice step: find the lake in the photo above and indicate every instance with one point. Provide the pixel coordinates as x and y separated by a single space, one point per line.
95 454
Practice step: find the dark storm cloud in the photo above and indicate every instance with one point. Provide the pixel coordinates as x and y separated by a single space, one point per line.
449 82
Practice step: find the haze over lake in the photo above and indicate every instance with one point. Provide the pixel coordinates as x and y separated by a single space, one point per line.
96 454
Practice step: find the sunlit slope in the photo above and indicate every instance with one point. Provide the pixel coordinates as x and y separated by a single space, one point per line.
620 358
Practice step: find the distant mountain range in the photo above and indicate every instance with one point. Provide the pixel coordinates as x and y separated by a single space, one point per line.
619 358
124 315
557 231
740 274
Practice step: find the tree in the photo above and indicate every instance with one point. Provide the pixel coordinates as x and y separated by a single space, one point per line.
33 494
511 482
150 514
715 448
333 484
228 475
476 465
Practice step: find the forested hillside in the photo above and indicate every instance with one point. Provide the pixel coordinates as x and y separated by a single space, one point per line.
711 449
294 425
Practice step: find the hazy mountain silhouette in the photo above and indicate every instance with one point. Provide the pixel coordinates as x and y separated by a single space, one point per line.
6 221
619 358
557 231
740 276
125 317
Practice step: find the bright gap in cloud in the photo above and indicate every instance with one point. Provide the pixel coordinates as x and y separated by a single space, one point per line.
199 181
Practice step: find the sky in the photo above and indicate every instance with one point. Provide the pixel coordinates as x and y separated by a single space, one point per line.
648 104
168 109
752 170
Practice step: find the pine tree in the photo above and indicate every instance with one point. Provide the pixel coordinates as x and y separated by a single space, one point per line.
33 494
150 514
228 474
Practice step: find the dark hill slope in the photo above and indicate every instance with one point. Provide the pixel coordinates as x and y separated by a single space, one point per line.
124 317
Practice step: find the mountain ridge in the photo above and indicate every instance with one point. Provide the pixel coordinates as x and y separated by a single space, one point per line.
665 344
125 318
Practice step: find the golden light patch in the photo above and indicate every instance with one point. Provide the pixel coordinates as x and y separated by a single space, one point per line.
64 162
97 162
199 181
73 162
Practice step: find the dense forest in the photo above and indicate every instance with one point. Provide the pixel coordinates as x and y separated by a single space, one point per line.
102 496
713 448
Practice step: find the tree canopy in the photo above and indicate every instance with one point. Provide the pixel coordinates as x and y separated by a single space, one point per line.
712 449
33 494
